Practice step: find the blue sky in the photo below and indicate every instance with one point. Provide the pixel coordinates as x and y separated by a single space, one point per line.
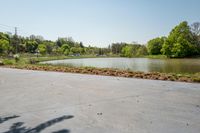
97 22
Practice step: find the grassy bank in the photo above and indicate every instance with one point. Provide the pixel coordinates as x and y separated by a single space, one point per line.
31 59
156 56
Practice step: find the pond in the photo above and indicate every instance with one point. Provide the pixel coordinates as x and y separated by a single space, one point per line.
136 64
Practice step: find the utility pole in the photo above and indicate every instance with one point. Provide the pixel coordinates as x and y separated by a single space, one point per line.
16 40
16 31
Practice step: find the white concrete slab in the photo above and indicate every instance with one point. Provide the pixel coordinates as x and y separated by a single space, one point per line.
35 101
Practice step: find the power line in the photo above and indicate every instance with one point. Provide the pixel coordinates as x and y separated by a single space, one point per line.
13 29
16 42
7 26
16 31
2 27
3 30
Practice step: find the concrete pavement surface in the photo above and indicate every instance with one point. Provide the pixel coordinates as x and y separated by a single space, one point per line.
53 102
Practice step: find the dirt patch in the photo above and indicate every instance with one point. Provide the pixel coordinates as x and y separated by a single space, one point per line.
113 72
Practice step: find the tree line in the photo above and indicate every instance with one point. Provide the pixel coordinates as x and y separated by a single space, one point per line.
182 41
13 44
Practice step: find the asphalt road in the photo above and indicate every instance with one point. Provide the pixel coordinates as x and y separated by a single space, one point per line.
35 101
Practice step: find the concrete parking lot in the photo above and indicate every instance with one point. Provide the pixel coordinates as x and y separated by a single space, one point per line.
52 102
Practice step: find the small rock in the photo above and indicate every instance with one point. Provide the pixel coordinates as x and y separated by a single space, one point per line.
197 106
99 113
187 124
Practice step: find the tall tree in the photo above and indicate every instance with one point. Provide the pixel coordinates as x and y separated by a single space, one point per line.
180 42
15 41
117 47
4 46
31 46
42 49
195 27
154 46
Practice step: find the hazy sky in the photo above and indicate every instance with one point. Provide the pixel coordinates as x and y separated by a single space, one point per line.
97 22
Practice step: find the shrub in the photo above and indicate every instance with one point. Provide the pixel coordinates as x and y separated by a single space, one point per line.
8 62
33 61
16 57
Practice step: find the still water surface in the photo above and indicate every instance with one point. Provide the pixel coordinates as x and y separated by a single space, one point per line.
136 64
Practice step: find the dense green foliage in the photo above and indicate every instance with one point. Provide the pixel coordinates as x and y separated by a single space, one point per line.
183 41
4 43
12 44
31 46
133 50
155 45
4 46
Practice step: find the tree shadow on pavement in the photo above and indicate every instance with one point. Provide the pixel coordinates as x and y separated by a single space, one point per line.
62 131
2 120
19 128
